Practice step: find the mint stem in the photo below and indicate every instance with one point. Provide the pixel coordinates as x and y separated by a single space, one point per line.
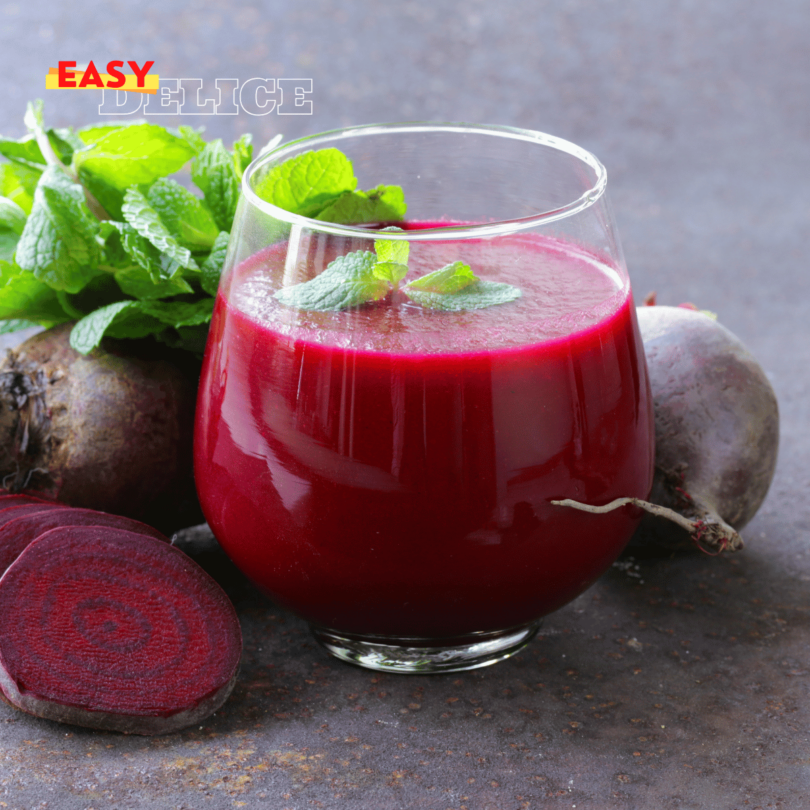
33 120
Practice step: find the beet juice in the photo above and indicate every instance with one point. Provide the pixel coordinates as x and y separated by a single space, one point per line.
387 470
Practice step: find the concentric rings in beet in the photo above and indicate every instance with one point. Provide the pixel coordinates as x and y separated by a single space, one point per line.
109 629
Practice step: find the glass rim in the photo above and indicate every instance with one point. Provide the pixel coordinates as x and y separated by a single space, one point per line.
499 227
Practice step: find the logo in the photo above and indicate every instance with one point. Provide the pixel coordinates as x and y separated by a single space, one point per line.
149 94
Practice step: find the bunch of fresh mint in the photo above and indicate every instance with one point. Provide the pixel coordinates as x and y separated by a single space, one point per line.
93 230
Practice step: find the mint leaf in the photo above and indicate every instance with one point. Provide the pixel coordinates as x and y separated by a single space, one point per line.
95 132
381 204
478 295
136 319
449 279
22 295
346 282
185 216
214 173
144 256
242 154
391 271
306 184
88 332
15 325
180 314
137 282
129 156
58 243
147 222
193 137
12 222
18 182
390 250
26 152
211 268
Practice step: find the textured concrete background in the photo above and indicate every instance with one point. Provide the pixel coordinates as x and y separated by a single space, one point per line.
680 683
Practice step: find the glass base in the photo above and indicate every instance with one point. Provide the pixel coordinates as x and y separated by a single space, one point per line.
417 656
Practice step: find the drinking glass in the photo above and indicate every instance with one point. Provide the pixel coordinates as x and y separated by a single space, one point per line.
387 470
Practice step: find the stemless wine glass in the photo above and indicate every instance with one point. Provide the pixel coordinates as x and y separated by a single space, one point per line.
386 470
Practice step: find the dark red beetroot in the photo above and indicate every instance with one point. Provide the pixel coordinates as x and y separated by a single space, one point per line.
716 434
113 630
109 430
22 528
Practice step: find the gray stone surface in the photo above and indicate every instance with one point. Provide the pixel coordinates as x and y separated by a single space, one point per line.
677 683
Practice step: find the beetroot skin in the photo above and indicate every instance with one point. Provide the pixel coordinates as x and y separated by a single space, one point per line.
114 630
716 425
107 431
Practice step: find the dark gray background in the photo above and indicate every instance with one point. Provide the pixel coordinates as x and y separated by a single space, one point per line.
680 683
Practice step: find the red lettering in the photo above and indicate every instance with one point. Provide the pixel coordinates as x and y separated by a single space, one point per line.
140 72
112 69
91 77
66 76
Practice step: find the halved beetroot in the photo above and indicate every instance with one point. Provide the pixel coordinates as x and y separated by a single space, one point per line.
23 524
114 630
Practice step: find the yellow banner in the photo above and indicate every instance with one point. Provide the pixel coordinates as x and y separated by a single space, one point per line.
151 81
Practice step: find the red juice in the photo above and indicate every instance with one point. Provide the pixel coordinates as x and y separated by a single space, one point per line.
388 470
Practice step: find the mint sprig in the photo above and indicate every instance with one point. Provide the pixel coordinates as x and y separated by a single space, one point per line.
453 288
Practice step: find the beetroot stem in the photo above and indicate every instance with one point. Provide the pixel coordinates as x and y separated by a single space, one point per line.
711 533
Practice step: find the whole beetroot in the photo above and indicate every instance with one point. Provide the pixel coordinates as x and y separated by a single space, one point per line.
716 425
716 434
108 431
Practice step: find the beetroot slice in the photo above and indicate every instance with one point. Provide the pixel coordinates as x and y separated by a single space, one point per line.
114 630
13 512
23 527
7 501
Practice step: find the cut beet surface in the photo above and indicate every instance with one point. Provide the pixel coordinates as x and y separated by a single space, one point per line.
114 630
10 513
23 524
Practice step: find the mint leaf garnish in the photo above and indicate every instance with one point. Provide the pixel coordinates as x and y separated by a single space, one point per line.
392 258
442 291
306 184
449 279
58 243
391 250
381 204
347 281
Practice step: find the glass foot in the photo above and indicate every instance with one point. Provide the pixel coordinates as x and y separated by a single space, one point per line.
425 656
